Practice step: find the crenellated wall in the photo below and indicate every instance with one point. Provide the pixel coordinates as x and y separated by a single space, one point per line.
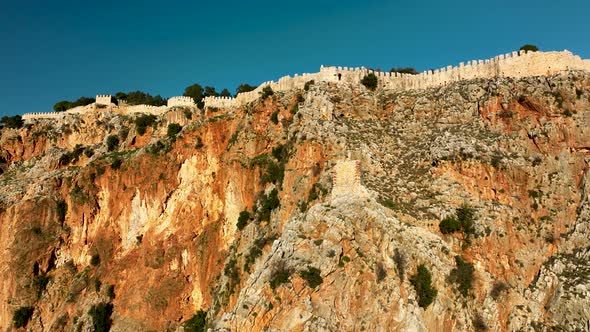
104 99
515 64
42 115
181 101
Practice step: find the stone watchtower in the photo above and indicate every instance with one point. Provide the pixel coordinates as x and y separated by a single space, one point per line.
346 178
106 100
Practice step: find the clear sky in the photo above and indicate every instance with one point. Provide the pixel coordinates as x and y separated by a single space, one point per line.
55 50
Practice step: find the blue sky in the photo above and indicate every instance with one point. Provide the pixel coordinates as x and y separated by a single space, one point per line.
56 50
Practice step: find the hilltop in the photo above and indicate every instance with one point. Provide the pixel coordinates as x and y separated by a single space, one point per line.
452 200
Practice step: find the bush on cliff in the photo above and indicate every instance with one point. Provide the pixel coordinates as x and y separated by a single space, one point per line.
173 130
312 276
143 121
21 316
197 323
112 142
463 221
422 282
268 203
243 220
463 276
101 316
266 92
12 121
370 81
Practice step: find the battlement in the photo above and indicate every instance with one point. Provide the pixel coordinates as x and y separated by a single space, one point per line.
181 101
104 99
41 115
515 64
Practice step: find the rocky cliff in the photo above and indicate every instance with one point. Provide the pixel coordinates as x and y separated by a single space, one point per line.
233 216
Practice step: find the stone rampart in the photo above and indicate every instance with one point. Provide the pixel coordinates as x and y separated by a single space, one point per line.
515 64
41 115
181 101
148 109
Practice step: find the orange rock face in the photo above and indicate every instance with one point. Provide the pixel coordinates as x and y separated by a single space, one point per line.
151 226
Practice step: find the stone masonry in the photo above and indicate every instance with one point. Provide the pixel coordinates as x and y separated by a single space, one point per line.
346 178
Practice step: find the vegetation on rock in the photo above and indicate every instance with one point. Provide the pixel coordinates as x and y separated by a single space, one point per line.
422 282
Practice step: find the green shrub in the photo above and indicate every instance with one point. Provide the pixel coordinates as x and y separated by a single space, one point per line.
449 225
173 130
294 109
466 217
266 92
143 121
422 282
101 316
245 88
268 204
112 142
62 210
308 84
95 260
243 219
312 276
281 153
111 291
199 143
197 323
12 121
40 283
275 173
462 275
370 81
279 275
274 117
21 316
116 164
463 220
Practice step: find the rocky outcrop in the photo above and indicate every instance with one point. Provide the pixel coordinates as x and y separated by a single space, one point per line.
149 225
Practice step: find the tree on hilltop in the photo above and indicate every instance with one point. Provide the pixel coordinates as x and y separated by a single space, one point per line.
210 92
404 70
61 106
195 91
225 93
12 121
244 88
529 48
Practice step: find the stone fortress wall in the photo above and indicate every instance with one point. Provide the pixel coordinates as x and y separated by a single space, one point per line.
122 108
181 101
515 64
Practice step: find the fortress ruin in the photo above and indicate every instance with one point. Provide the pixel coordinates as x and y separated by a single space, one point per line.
516 64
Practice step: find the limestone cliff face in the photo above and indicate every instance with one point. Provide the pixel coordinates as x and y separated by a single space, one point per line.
151 226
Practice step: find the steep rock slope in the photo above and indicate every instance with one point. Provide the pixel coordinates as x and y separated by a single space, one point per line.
151 226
